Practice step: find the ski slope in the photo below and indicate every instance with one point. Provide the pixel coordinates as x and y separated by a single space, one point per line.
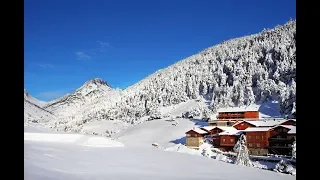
48 158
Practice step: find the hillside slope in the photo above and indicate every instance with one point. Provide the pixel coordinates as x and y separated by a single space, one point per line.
29 98
36 114
255 69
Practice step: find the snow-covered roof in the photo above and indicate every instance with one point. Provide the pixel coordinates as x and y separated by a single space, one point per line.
292 128
223 128
239 109
257 129
198 130
265 123
208 128
233 132
226 130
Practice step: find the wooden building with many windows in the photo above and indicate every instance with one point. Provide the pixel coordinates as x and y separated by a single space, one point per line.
223 137
257 140
230 116
270 140
228 139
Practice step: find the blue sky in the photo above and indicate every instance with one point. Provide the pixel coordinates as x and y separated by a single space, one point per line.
123 41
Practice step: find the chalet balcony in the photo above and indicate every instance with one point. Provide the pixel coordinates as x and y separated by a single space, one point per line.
280 139
280 147
230 116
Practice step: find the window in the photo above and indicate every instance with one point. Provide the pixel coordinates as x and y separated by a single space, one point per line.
231 140
242 124
262 137
249 137
250 144
257 137
224 140
258 145
278 137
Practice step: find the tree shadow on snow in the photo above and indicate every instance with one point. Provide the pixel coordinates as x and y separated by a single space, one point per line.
199 122
181 140
271 108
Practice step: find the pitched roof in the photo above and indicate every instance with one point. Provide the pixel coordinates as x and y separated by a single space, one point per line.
208 128
223 128
226 130
234 132
239 109
257 129
198 130
292 128
266 123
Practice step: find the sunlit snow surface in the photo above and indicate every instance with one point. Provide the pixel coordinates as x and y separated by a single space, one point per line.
53 155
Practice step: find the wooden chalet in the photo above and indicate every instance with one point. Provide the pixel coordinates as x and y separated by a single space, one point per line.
272 140
195 137
242 125
264 136
228 139
257 140
231 116
216 131
281 139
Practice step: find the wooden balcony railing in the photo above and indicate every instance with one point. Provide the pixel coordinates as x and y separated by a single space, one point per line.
281 139
222 116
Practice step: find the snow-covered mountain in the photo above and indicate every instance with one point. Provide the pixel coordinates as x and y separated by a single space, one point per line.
34 112
254 69
33 100
87 94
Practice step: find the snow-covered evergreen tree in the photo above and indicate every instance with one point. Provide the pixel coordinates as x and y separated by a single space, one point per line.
294 150
242 152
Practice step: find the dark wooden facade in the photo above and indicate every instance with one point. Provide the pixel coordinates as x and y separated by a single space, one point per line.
216 140
280 141
258 139
228 140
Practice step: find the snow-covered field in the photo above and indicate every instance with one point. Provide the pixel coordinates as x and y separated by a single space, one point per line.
46 157
161 131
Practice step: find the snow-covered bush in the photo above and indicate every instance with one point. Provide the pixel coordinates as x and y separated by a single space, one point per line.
284 167
207 152
155 114
223 158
